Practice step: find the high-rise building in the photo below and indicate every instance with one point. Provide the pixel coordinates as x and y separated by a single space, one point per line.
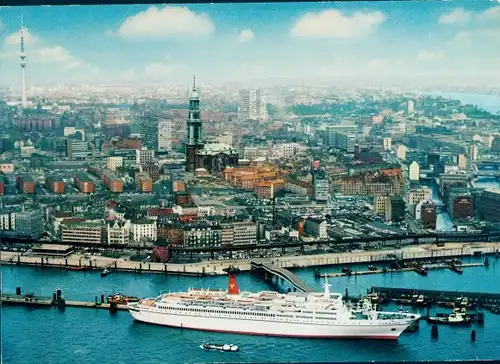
149 128
346 142
401 152
252 105
473 152
387 143
76 149
165 135
414 171
395 209
194 139
410 107
462 161
29 224
489 204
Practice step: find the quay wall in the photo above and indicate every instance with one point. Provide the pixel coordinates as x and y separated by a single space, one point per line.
429 251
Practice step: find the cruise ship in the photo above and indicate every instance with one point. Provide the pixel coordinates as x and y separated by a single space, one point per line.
295 314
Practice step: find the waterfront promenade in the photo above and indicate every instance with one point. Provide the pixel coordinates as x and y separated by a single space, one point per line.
429 251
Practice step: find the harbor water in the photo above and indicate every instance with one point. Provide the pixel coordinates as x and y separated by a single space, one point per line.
49 335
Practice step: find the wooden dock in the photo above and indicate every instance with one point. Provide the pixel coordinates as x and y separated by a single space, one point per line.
405 269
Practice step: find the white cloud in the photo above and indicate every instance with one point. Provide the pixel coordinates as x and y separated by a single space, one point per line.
334 24
491 13
165 22
486 37
430 55
15 38
246 35
456 16
461 16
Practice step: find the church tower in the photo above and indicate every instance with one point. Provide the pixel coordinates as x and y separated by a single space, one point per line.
194 138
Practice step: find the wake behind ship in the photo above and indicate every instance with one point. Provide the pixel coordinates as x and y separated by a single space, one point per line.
308 315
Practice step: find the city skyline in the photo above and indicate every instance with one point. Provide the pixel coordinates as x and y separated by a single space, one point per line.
378 43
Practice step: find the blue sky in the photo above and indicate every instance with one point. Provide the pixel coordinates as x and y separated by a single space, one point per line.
452 41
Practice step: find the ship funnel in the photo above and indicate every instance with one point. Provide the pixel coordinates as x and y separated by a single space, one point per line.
232 287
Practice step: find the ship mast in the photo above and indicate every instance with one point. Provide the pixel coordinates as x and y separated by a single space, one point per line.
327 287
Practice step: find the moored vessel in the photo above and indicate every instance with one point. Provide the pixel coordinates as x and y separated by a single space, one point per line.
120 299
220 347
268 313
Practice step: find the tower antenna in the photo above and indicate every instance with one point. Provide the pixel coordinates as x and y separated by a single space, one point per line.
22 63
194 82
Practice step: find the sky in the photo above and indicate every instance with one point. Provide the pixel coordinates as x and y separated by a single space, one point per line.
379 42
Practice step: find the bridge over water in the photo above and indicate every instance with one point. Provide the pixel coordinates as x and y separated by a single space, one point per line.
270 270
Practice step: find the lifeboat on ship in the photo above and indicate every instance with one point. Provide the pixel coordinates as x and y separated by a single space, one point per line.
245 302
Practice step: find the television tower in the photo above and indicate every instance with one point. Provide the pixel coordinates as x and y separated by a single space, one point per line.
23 56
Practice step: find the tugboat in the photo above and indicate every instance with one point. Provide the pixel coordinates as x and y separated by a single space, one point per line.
455 318
120 299
105 272
220 347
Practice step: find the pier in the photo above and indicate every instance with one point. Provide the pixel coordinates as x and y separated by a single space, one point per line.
271 270
480 298
30 299
318 274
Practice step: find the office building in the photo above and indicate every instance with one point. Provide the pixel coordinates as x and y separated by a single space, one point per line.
401 152
460 205
414 171
76 149
395 209
29 224
489 205
426 212
462 161
321 189
410 107
387 143
91 232
252 105
415 195
165 135
144 156
381 205
149 127
143 230
114 162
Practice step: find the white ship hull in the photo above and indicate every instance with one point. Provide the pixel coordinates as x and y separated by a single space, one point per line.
365 329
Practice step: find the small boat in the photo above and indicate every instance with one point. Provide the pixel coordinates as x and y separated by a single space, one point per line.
372 267
105 272
455 318
120 299
422 270
220 347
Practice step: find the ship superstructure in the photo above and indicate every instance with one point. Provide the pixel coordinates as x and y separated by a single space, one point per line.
269 313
